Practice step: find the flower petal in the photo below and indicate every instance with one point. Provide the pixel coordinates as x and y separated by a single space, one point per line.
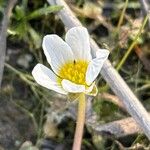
90 88
72 87
46 78
95 65
56 51
93 92
78 40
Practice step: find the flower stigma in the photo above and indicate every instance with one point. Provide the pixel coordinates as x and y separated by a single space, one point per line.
74 71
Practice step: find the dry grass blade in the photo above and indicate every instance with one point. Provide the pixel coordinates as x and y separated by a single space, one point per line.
115 81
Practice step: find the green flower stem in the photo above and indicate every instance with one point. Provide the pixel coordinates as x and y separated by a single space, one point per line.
80 122
122 16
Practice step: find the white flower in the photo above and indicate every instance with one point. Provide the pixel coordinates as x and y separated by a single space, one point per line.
74 70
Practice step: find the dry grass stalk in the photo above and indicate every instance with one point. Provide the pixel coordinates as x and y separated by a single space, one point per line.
3 35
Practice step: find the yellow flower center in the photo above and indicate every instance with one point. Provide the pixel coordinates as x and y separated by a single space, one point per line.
74 71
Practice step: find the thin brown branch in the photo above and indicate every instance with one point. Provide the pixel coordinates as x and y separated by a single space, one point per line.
119 128
112 98
143 58
115 81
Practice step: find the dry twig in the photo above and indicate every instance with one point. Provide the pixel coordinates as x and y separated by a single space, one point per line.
119 128
112 98
3 35
143 58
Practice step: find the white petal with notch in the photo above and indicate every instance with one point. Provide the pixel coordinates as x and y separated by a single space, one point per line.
78 39
95 65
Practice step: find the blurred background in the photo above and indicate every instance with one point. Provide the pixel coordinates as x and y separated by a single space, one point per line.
32 117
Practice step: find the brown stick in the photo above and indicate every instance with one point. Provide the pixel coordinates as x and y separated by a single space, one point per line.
117 129
112 98
143 58
115 81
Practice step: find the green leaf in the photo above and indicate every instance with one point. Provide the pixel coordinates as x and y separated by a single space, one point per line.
19 13
1 6
37 39
43 11
20 29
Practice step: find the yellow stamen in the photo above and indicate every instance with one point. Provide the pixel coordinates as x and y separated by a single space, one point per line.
74 71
